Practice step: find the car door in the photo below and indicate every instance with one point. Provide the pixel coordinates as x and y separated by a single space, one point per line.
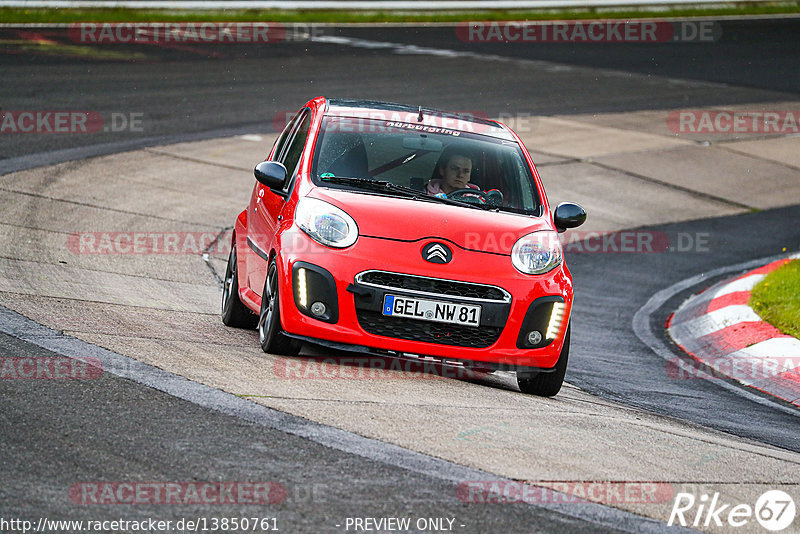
268 204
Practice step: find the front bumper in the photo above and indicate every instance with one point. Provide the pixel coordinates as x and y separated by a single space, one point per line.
351 285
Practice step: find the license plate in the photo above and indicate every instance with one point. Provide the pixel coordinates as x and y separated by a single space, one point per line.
432 310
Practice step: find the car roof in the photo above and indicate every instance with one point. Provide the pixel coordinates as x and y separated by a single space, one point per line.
469 122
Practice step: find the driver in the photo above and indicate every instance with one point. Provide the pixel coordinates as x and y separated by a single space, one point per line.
454 169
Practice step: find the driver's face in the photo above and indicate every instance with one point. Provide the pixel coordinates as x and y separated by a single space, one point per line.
455 175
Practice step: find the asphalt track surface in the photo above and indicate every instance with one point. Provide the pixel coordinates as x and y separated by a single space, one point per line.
612 362
113 429
184 90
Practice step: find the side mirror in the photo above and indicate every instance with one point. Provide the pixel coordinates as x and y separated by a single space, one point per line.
270 173
568 215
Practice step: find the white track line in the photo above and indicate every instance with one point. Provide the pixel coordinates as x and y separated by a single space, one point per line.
714 321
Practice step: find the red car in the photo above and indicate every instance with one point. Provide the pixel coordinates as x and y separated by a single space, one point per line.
400 230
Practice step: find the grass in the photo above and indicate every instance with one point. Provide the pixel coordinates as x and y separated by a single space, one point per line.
777 298
64 15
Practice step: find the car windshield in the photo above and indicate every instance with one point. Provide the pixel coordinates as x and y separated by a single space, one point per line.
424 163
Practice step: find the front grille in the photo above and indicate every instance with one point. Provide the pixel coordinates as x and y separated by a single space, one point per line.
428 332
450 288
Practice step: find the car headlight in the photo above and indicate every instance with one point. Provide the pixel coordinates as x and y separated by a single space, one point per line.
325 223
537 253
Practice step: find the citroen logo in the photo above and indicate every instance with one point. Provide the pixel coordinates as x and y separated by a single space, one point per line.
437 253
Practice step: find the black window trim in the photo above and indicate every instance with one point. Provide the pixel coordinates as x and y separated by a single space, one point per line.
280 142
291 132
302 115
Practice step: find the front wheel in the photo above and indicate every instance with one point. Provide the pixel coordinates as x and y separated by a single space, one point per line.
546 384
234 313
272 339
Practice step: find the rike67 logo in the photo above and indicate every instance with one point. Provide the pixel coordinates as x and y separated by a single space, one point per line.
774 510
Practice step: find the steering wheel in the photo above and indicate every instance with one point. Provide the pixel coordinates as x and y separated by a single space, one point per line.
493 197
471 196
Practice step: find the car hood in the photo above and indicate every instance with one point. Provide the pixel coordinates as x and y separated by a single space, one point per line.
390 217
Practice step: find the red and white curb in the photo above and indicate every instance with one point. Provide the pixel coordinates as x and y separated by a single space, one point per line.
720 330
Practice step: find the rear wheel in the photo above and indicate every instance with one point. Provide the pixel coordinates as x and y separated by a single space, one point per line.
234 313
546 384
272 339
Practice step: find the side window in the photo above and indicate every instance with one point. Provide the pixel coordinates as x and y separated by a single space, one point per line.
291 156
280 142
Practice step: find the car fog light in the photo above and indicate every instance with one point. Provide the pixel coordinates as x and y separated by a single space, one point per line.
318 309
534 337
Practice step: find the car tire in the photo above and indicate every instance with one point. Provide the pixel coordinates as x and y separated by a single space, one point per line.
270 335
234 313
546 384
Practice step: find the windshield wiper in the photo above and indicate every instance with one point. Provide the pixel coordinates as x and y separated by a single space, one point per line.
365 183
380 185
